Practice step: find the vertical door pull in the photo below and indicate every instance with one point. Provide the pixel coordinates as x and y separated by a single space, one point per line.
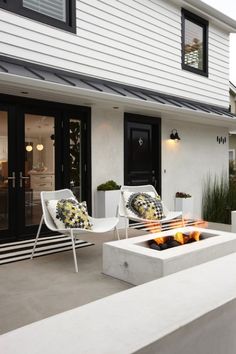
154 180
22 178
13 179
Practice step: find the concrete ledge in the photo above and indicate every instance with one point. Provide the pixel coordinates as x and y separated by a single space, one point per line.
193 311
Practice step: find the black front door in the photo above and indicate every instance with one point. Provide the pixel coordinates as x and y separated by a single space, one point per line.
142 151
43 147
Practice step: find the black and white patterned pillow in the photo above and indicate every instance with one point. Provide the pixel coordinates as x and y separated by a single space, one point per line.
69 213
145 206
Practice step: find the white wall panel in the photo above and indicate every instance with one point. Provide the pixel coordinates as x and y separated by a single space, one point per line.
107 148
186 165
136 43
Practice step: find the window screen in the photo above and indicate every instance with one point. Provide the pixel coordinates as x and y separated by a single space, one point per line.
52 8
193 45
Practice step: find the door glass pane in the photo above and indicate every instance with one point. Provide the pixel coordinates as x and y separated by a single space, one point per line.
3 171
75 157
39 170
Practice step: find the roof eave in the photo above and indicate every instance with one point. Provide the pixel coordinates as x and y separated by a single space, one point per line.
224 21
185 113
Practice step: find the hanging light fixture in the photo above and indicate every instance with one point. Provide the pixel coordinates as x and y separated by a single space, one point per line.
40 146
174 135
29 147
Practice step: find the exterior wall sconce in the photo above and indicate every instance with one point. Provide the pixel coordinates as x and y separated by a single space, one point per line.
174 135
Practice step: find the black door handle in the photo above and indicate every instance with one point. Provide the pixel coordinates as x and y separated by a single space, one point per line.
154 180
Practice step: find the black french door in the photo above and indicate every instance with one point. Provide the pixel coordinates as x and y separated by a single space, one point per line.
43 146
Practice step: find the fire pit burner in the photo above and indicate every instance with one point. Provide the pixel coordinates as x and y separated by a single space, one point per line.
163 243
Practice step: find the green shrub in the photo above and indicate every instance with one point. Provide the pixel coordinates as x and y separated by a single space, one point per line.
182 195
219 199
108 186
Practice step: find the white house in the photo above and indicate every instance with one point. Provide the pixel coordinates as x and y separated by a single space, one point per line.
91 90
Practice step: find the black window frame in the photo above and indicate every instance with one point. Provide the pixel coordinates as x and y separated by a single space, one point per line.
187 15
69 25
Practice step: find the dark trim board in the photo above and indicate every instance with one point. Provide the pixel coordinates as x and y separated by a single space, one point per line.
17 7
156 123
8 99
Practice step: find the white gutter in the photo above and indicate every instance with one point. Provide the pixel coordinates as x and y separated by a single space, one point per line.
232 88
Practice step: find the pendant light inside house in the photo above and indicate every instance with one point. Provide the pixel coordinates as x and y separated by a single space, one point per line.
29 147
40 146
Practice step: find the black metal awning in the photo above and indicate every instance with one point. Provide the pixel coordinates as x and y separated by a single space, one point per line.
48 74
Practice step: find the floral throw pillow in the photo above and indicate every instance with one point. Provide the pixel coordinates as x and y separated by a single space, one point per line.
145 206
69 213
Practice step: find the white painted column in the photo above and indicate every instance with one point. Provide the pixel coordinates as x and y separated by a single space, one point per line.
233 221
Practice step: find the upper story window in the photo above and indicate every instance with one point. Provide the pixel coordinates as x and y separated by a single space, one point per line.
194 43
57 13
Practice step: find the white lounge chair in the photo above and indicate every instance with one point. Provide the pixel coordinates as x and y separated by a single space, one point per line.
122 210
100 225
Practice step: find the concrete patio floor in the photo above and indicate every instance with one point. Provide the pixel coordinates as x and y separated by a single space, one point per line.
32 290
35 289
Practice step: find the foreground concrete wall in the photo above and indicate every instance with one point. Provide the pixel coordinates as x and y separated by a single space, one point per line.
213 333
189 312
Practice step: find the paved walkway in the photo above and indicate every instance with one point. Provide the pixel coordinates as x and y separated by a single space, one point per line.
32 290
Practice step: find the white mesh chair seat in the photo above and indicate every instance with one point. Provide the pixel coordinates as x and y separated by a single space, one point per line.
122 210
100 225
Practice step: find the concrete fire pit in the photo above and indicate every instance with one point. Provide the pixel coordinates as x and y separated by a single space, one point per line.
133 261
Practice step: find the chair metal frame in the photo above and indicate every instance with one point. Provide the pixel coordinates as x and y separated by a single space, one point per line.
100 225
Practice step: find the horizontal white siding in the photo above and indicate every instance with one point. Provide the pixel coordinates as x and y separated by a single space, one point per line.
136 42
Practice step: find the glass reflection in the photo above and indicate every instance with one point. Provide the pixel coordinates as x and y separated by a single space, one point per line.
193 47
39 164
3 171
75 157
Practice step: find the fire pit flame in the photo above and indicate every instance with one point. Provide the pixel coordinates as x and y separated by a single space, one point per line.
179 238
156 227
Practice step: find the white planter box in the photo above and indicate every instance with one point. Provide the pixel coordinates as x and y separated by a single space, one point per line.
106 205
185 205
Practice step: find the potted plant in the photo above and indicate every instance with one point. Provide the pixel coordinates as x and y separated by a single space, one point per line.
108 186
184 203
108 195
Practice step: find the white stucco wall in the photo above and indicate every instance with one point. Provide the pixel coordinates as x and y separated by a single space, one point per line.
107 147
186 164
